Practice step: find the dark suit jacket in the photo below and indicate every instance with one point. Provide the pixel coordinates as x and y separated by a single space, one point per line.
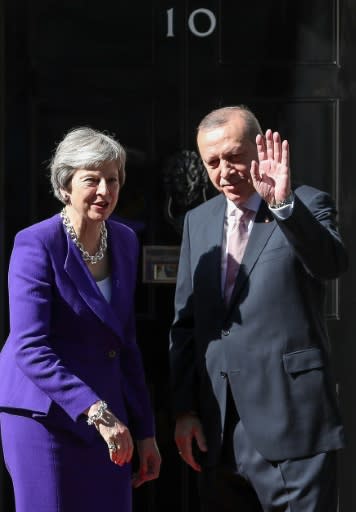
69 347
272 342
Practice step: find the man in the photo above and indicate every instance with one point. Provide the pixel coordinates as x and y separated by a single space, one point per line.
254 397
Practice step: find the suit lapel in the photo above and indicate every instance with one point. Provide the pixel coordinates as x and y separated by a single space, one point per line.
262 229
85 284
213 226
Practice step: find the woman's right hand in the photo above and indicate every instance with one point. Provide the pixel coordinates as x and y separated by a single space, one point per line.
115 434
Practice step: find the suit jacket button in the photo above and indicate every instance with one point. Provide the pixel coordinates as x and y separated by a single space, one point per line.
225 332
112 354
223 375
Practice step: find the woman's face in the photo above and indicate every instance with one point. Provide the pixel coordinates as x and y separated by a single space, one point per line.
94 193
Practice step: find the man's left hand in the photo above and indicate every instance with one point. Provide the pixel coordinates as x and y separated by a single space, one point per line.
271 174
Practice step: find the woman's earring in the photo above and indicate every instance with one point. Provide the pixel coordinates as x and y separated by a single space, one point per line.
67 198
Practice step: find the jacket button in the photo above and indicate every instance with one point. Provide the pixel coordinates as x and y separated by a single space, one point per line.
225 332
112 354
223 375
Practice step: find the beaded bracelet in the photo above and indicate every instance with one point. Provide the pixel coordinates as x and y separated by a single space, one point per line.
98 414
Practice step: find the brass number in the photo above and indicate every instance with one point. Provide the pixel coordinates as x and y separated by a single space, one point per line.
191 22
170 23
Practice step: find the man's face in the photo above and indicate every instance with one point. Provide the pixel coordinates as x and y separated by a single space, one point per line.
227 154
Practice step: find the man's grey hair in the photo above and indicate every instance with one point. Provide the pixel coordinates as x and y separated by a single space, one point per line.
84 148
223 115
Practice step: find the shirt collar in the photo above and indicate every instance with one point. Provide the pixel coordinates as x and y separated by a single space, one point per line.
252 203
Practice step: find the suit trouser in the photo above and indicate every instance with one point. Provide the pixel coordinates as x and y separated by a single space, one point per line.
246 482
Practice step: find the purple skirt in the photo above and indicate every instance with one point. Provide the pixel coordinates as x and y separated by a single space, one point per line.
55 471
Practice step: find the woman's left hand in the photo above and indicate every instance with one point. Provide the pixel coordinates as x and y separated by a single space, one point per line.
150 461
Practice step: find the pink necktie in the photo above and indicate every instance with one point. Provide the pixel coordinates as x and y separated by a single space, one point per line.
237 238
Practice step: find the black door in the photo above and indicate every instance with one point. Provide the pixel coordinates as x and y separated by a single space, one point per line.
147 72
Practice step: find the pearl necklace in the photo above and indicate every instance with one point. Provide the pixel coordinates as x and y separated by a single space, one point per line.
99 255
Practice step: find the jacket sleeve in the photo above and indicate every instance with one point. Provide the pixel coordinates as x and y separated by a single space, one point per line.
312 231
31 281
137 396
138 400
182 356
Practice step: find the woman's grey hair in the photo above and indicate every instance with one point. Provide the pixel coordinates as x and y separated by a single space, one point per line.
83 148
222 115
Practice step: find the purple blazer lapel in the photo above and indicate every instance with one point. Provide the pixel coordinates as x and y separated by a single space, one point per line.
123 272
81 277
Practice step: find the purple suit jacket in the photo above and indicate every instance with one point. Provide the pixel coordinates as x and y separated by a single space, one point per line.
68 346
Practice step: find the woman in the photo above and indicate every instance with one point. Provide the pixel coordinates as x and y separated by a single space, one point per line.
73 394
